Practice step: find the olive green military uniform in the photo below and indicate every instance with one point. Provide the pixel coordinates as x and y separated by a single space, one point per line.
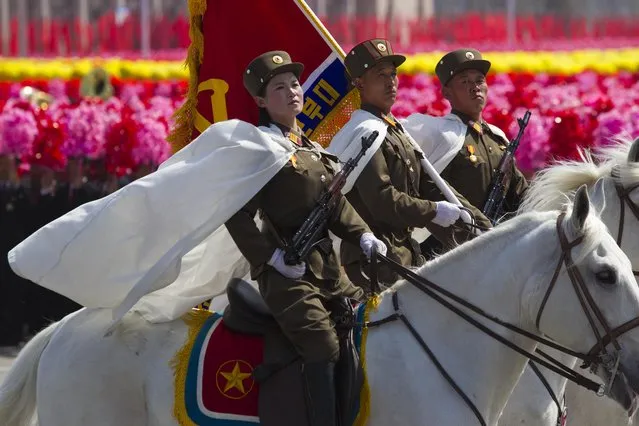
393 194
300 306
471 170
285 202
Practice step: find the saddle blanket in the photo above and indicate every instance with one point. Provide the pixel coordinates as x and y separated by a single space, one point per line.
214 385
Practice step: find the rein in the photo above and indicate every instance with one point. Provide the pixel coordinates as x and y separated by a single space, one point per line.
597 355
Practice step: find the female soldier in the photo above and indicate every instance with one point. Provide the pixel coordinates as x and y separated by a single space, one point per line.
297 294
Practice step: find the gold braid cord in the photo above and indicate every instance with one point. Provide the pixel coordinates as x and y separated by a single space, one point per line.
181 134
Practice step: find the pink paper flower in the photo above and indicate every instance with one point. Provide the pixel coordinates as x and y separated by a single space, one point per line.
150 145
18 130
85 130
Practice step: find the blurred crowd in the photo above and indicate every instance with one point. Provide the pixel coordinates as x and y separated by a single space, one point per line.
29 199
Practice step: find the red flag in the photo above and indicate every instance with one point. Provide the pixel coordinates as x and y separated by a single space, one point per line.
227 35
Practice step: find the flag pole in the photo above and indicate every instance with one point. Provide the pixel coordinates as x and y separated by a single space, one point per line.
319 26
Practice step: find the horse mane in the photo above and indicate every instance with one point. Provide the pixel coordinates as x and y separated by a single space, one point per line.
617 155
554 186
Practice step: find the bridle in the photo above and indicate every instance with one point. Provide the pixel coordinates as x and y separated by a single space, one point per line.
588 305
596 356
624 199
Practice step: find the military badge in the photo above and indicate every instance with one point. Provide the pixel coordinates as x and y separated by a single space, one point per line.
476 127
390 120
295 138
471 151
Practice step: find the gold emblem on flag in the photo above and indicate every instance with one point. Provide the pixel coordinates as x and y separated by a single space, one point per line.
278 59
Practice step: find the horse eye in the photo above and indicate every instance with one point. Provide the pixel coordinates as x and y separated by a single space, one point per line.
607 276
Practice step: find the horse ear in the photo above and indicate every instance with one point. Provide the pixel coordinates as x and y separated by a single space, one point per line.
581 208
633 155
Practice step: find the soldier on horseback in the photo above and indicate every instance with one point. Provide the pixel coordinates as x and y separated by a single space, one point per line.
393 193
298 295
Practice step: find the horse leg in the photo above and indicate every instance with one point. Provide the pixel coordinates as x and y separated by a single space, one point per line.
530 403
163 343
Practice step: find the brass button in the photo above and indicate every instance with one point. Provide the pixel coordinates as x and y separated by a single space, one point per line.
323 178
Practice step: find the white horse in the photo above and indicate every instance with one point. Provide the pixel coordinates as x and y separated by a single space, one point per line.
77 376
549 190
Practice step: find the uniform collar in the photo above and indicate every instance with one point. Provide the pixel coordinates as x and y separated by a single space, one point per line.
388 118
294 136
479 127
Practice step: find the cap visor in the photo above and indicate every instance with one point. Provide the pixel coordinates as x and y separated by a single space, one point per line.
397 60
294 67
481 65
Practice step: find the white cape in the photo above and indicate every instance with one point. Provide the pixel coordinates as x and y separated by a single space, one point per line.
440 137
347 143
159 243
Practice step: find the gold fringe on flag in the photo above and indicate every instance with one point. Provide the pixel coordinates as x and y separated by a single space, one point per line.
182 131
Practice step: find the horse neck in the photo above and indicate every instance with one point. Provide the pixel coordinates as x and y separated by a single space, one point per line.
487 274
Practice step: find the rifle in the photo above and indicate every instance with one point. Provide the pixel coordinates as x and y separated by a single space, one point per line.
497 190
306 237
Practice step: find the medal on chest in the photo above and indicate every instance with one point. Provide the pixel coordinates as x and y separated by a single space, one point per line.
472 157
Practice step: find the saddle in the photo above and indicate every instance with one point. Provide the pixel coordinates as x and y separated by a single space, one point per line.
281 397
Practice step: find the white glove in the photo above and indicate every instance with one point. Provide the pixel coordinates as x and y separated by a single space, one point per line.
447 213
289 271
368 241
